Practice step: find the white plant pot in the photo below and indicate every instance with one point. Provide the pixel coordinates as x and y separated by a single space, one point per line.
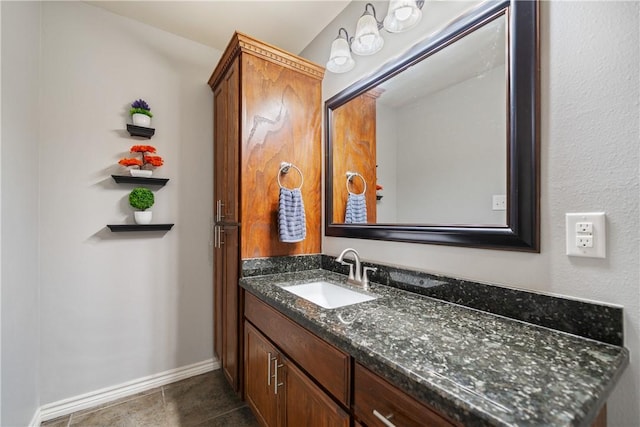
141 172
141 120
142 217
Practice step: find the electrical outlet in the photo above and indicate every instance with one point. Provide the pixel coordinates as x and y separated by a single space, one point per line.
586 234
584 241
499 202
584 227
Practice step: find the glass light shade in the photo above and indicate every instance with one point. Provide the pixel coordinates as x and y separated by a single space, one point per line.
402 15
367 40
340 60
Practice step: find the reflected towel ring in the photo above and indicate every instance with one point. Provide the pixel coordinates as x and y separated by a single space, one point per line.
284 168
350 176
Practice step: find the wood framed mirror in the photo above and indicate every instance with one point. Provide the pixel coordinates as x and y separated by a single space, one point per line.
450 132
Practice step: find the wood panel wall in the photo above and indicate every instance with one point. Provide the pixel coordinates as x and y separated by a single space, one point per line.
354 149
280 121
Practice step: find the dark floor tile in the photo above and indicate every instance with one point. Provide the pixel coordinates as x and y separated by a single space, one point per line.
57 422
242 417
144 411
193 401
117 401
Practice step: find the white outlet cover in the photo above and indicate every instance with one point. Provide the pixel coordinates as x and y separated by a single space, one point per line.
499 202
599 233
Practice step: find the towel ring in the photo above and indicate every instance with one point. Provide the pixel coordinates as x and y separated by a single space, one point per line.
284 168
350 176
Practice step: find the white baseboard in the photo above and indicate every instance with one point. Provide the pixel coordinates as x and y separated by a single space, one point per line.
108 394
37 419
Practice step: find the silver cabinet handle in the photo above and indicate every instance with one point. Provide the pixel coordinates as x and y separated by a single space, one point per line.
275 377
385 420
219 206
269 368
216 236
220 234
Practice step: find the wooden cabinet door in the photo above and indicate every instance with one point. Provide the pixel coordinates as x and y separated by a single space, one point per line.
230 306
259 377
219 147
306 404
232 176
226 143
218 303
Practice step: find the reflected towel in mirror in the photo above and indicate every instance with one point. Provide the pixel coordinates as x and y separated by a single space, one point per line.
356 211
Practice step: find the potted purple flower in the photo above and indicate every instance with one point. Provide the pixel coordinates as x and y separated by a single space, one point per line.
141 113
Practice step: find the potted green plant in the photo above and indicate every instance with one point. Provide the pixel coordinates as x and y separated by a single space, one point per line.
141 113
141 198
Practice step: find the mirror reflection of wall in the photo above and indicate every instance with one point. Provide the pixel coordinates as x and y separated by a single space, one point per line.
441 135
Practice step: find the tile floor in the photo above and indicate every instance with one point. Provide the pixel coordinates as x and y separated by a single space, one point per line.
202 401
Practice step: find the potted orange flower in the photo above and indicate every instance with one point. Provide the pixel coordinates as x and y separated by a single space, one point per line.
145 163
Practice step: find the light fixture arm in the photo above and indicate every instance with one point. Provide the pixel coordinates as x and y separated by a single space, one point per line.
366 11
345 36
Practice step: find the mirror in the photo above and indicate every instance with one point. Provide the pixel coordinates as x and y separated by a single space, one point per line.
449 133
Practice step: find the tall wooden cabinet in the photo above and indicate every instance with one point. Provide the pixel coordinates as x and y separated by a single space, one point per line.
355 151
267 110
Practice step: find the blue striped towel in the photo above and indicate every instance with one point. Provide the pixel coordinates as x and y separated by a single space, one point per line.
292 224
356 209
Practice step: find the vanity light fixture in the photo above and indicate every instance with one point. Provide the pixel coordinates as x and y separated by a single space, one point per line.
340 60
403 15
367 39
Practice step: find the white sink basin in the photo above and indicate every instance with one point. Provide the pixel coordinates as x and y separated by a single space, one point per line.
328 295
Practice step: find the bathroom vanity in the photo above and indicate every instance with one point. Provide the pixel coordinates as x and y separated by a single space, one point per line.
408 360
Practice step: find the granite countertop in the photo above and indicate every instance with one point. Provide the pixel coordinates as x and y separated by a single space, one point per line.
476 367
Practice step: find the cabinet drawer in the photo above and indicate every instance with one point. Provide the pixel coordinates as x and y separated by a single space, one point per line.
322 361
374 398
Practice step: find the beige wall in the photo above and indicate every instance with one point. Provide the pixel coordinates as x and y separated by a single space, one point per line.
590 162
120 306
19 290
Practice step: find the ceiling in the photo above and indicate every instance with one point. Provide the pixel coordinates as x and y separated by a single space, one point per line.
288 24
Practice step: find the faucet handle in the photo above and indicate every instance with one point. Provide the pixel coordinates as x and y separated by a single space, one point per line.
365 278
351 276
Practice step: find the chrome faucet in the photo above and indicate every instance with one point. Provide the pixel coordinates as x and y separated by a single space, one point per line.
360 277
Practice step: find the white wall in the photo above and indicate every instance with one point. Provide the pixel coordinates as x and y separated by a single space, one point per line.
117 306
456 168
590 162
19 190
386 157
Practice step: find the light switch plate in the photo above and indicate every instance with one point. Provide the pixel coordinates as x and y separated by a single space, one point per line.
597 235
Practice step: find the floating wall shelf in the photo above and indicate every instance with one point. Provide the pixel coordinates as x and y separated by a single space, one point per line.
140 131
126 179
139 227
